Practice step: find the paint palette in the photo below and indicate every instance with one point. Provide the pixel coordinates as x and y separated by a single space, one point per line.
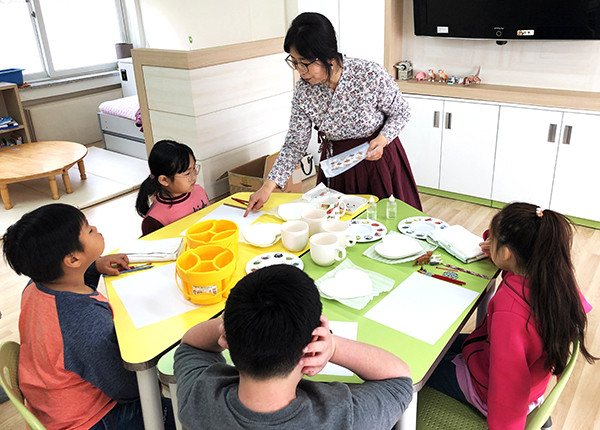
272 258
337 164
366 230
420 226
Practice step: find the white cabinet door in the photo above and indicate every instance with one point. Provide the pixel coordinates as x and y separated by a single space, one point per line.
577 172
468 147
526 155
422 139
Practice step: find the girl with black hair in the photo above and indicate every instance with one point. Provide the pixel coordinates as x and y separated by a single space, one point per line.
172 186
504 366
349 102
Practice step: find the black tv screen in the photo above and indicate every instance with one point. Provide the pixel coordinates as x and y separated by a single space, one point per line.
508 19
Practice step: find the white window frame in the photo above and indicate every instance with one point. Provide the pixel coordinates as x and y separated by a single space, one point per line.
49 73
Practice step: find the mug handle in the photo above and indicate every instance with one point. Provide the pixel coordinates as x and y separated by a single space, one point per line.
350 239
342 207
340 253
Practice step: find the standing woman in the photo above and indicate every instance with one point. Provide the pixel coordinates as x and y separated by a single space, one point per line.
349 101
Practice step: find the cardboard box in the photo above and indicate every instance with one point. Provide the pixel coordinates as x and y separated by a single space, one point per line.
251 176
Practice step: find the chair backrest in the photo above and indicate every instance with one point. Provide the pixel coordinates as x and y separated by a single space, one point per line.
537 418
9 380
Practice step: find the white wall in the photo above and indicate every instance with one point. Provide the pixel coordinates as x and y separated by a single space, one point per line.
167 25
570 65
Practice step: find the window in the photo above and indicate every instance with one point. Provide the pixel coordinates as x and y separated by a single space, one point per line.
56 38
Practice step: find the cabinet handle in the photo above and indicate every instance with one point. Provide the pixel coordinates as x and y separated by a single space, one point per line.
436 119
552 133
448 120
567 135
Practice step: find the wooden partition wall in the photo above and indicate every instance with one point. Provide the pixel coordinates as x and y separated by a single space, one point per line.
230 104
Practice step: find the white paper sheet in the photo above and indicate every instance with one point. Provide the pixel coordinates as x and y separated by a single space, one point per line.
151 296
349 330
422 307
232 214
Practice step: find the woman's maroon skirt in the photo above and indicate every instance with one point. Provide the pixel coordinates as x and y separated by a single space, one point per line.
391 174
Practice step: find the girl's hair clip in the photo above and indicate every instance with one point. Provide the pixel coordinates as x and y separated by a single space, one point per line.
151 176
539 212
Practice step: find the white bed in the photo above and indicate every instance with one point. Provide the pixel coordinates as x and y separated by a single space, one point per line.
117 124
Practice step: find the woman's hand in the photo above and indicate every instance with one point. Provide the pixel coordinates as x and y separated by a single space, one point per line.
376 146
318 352
260 197
104 264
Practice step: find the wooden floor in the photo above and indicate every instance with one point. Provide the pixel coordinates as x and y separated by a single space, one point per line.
578 407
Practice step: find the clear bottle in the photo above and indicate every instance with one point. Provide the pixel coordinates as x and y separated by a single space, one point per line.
391 208
371 209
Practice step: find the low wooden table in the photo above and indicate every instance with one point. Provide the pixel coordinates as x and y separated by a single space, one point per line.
40 160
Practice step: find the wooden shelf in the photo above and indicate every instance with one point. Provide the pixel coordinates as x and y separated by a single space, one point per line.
546 97
10 105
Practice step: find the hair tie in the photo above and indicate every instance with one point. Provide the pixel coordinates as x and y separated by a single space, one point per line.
151 176
539 212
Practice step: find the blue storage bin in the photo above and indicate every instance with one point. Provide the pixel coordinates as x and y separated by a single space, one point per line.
14 76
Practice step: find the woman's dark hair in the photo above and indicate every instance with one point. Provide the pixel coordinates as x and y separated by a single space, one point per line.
541 243
269 318
166 158
37 244
313 36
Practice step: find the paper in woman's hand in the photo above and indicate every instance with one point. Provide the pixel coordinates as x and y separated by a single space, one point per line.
340 163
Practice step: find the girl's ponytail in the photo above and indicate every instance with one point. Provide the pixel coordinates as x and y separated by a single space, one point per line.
148 188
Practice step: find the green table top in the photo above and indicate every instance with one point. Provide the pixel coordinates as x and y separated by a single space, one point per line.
420 356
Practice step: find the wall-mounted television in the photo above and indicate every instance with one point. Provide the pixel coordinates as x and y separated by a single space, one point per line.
508 19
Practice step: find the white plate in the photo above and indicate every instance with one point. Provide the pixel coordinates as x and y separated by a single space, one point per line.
292 211
272 258
367 230
262 234
353 203
420 226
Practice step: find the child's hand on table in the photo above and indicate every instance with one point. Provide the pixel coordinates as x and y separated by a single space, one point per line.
318 352
104 264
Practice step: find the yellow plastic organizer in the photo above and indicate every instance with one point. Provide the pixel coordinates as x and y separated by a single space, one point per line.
220 232
206 274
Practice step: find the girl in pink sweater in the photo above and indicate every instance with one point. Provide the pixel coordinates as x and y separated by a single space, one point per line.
504 366
171 186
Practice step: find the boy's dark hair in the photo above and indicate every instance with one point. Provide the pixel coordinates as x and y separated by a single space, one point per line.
269 318
313 36
36 244
167 158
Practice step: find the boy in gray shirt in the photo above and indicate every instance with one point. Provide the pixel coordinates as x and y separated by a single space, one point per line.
275 334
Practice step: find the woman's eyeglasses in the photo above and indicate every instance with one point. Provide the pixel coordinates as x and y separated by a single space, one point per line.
301 67
191 174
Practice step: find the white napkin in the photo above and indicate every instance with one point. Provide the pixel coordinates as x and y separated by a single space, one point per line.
142 251
459 242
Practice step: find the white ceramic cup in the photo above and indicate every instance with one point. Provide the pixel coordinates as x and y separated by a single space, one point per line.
334 207
294 235
315 218
342 230
325 250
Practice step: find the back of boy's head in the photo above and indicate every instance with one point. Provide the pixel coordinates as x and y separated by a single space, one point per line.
37 244
167 158
269 318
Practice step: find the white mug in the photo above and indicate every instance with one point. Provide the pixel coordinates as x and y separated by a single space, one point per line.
324 249
334 207
294 235
342 230
315 218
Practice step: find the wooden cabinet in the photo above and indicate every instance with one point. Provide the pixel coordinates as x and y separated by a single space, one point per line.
451 144
10 105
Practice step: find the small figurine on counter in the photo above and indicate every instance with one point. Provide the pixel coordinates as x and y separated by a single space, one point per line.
473 79
442 76
453 80
431 75
404 70
420 76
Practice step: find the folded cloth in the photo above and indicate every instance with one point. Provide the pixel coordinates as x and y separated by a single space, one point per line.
143 251
459 242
